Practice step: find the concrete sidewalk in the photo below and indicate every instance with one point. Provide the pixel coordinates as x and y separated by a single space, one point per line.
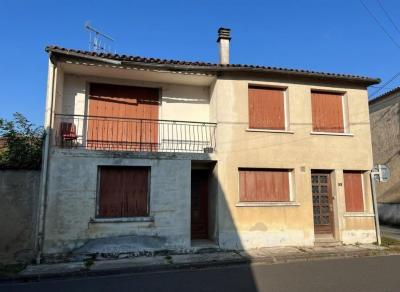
392 232
194 260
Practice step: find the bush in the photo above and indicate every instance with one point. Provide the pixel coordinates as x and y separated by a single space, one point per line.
23 144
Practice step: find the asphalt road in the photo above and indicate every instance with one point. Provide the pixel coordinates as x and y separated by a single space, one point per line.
340 275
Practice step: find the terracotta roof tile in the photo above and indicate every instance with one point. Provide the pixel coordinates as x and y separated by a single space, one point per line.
384 95
222 67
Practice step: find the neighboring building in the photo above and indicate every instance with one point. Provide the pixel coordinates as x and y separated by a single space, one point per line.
147 154
385 130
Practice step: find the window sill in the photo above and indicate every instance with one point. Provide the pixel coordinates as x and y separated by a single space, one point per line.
358 214
332 134
269 131
267 204
122 220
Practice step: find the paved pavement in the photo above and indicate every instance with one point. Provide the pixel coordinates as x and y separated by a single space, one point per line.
103 266
354 274
390 232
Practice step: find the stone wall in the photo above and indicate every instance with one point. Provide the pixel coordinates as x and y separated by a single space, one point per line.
19 191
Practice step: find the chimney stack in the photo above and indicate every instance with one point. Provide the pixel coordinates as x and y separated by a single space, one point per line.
224 37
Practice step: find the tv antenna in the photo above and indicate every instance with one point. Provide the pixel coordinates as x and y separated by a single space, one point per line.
98 42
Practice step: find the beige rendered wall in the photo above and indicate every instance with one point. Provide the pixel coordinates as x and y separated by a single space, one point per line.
179 102
291 223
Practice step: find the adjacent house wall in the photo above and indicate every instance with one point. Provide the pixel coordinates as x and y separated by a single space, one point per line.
385 131
19 190
292 223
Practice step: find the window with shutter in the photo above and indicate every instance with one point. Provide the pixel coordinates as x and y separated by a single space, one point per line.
264 185
353 189
327 112
123 192
266 108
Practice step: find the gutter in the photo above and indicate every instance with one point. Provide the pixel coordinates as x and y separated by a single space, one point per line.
41 219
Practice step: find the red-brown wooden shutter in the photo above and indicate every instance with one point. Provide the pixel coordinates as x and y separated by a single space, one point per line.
266 108
117 101
123 191
327 112
263 185
353 191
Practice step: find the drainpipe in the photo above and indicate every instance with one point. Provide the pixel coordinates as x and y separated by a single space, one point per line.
41 218
373 188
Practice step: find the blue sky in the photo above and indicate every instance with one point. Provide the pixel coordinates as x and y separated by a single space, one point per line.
325 35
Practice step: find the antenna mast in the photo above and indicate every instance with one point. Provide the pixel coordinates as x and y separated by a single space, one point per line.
98 42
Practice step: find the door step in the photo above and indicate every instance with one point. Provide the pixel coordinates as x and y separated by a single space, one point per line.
326 240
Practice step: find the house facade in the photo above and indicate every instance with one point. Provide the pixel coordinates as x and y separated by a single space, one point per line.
385 131
147 154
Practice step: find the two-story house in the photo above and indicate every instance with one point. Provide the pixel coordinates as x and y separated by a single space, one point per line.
146 154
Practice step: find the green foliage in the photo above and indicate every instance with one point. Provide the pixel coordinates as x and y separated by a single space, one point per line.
23 144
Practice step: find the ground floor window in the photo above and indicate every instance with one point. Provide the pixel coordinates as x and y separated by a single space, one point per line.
353 189
123 191
264 185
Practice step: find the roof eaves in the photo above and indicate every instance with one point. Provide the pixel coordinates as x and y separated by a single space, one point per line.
385 95
205 67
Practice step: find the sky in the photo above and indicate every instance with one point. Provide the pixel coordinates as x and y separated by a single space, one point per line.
324 35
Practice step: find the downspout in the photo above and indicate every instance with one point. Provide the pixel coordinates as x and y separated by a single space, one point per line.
45 165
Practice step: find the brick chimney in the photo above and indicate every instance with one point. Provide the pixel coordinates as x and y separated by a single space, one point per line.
224 37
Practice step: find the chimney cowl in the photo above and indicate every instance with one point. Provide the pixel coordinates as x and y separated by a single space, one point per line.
224 33
224 39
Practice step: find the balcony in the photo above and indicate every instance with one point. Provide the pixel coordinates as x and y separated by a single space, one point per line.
127 134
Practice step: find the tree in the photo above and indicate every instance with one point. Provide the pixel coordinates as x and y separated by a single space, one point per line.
23 147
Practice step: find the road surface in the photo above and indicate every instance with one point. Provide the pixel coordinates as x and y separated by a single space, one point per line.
357 274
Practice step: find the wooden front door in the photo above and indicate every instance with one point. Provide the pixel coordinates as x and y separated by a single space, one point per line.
322 202
199 204
122 118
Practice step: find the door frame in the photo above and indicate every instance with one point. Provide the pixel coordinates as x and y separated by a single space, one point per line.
212 200
332 208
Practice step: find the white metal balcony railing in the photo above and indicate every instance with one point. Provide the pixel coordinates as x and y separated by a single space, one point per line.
127 134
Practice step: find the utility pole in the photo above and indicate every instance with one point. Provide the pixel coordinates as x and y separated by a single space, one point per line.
378 173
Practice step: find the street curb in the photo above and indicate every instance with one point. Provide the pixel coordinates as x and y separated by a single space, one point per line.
270 260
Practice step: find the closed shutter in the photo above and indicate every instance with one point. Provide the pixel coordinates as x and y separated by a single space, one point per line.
123 191
266 108
353 191
264 185
327 112
111 107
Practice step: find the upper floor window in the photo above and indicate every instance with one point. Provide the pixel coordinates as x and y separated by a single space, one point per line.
327 111
267 108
